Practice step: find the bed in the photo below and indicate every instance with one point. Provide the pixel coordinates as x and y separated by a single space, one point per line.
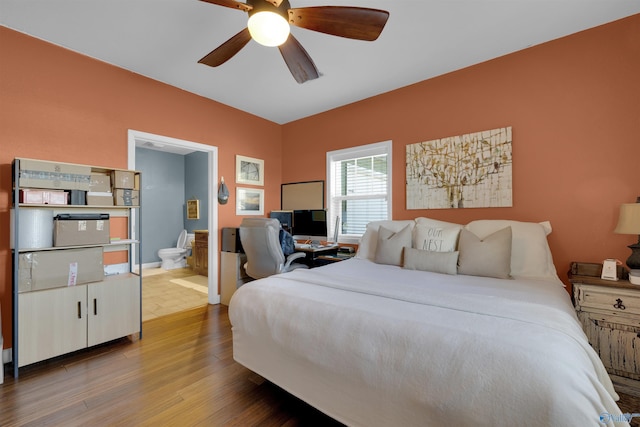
387 340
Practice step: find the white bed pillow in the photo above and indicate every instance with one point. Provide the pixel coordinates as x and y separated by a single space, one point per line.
489 256
530 253
436 223
369 240
436 262
391 245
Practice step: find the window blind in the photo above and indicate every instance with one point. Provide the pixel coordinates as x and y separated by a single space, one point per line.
359 187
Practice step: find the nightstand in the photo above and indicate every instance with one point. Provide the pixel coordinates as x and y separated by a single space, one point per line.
610 315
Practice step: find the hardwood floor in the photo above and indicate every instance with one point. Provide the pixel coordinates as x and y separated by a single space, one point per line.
181 373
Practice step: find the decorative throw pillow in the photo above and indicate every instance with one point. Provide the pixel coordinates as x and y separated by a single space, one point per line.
436 239
489 257
390 245
530 253
369 241
436 262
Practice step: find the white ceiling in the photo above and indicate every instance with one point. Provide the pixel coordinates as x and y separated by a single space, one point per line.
164 39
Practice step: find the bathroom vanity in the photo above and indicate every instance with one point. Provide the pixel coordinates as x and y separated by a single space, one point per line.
200 252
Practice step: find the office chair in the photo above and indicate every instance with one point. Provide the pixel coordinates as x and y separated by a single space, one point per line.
259 237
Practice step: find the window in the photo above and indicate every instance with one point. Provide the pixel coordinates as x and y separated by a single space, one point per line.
359 188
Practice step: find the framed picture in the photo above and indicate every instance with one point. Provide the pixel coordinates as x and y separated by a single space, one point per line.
249 170
302 195
249 201
473 170
193 209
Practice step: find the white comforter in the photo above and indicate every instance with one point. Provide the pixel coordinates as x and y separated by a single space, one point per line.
370 344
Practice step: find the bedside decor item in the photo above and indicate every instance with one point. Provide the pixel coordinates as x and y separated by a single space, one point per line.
610 269
464 171
629 223
249 170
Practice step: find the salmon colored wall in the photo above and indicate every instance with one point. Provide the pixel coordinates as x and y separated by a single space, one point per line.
574 105
118 228
58 105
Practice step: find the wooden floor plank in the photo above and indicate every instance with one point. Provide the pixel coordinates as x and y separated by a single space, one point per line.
181 373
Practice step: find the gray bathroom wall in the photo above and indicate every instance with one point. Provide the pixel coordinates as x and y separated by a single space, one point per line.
163 200
196 187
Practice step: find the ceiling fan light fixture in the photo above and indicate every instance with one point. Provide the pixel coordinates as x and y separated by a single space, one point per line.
268 28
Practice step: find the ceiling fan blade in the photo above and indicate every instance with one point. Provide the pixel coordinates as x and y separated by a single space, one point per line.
276 3
230 3
226 50
344 21
298 60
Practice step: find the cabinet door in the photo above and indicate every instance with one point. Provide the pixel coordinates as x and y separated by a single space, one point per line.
114 309
201 259
616 340
51 323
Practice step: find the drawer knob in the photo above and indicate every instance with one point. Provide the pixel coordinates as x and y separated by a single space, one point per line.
619 304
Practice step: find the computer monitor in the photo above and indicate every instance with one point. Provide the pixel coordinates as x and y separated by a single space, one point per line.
285 218
310 224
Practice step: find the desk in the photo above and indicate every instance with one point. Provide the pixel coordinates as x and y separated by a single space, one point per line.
329 259
314 252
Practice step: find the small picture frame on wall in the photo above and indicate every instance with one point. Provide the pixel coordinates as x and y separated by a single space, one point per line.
249 170
249 201
193 209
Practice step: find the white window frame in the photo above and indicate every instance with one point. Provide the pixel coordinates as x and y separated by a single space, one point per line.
377 148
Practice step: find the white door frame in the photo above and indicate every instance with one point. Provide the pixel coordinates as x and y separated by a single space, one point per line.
135 136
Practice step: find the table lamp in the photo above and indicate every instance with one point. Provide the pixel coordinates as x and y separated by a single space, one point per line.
629 223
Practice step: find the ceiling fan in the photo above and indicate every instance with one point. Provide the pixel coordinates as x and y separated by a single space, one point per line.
269 22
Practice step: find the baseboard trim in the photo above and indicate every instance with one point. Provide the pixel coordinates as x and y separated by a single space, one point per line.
151 265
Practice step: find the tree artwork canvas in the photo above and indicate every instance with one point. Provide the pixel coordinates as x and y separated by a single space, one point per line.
466 171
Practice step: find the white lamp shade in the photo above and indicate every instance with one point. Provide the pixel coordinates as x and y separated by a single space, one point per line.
268 28
629 221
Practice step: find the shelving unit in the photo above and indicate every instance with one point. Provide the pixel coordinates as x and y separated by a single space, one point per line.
52 319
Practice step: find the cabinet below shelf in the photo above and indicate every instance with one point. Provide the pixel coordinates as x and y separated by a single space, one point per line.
61 320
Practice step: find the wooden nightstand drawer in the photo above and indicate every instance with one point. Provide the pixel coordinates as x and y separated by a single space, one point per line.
613 300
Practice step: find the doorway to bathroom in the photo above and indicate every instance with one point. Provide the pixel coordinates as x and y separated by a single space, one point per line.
159 145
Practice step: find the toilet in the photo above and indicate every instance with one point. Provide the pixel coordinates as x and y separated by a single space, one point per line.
173 258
